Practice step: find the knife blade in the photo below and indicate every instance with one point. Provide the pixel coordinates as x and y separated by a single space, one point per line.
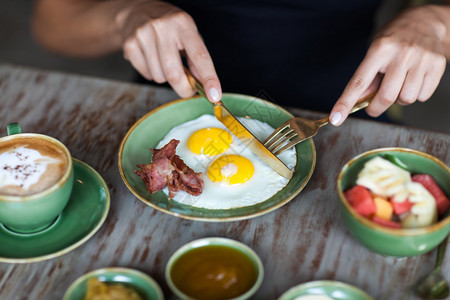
245 136
241 132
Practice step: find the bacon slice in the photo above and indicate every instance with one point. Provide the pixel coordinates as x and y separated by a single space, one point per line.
168 169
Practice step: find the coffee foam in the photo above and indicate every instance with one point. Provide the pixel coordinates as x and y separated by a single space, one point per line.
31 167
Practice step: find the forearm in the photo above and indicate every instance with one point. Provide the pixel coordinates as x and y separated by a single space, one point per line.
79 28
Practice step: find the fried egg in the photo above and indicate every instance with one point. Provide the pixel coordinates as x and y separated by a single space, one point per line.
233 175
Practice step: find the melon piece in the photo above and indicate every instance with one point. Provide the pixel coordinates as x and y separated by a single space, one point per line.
442 202
401 207
386 223
384 208
360 199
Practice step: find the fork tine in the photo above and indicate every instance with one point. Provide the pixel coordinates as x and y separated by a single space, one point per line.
282 141
276 132
289 145
280 136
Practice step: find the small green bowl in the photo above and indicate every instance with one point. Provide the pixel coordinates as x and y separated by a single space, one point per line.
147 288
388 241
216 242
330 288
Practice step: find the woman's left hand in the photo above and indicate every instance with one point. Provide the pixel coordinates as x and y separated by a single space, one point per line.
405 62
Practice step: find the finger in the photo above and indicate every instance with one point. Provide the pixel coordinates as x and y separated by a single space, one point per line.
374 86
389 90
431 81
202 65
146 37
172 66
411 87
192 67
133 53
363 78
428 87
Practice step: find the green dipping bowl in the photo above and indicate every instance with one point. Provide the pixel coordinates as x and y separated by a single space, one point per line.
333 289
251 255
143 284
388 241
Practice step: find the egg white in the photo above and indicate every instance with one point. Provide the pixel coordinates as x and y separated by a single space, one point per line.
264 183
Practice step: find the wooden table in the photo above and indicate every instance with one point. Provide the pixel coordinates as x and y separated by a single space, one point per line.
302 241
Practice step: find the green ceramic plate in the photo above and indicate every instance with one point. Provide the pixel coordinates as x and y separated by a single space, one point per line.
152 127
333 289
90 197
143 284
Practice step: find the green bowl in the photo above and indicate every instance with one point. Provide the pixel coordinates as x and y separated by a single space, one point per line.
151 128
252 257
330 288
389 241
147 288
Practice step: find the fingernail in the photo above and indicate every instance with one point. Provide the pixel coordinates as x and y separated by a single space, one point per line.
214 94
335 118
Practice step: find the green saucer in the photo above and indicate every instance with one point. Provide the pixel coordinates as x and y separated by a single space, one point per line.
81 218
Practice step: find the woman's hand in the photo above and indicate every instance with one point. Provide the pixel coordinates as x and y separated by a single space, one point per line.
405 62
155 35
152 34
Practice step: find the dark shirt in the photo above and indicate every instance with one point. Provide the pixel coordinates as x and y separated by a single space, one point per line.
291 52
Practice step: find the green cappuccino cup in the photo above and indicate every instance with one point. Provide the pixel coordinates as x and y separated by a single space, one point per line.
36 179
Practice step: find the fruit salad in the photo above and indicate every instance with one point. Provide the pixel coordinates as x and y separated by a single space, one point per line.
389 195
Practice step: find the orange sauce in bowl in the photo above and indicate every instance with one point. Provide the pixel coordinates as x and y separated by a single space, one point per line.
214 273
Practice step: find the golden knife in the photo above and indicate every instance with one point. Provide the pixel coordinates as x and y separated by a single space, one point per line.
242 133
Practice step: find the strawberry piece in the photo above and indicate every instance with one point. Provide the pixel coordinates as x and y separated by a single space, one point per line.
386 223
401 207
360 199
442 202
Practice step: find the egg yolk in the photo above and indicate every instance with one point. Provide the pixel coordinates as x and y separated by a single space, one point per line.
209 141
231 169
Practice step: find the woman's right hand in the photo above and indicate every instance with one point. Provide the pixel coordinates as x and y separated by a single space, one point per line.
155 35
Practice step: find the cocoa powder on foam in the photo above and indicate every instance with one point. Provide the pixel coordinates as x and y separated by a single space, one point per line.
51 176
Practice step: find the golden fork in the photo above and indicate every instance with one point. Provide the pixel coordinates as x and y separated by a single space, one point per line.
297 129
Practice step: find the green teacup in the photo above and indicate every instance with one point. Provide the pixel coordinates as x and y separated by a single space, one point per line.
36 179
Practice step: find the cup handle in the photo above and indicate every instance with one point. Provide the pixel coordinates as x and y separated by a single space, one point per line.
13 128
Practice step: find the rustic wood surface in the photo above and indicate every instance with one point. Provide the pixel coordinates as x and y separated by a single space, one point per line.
302 241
